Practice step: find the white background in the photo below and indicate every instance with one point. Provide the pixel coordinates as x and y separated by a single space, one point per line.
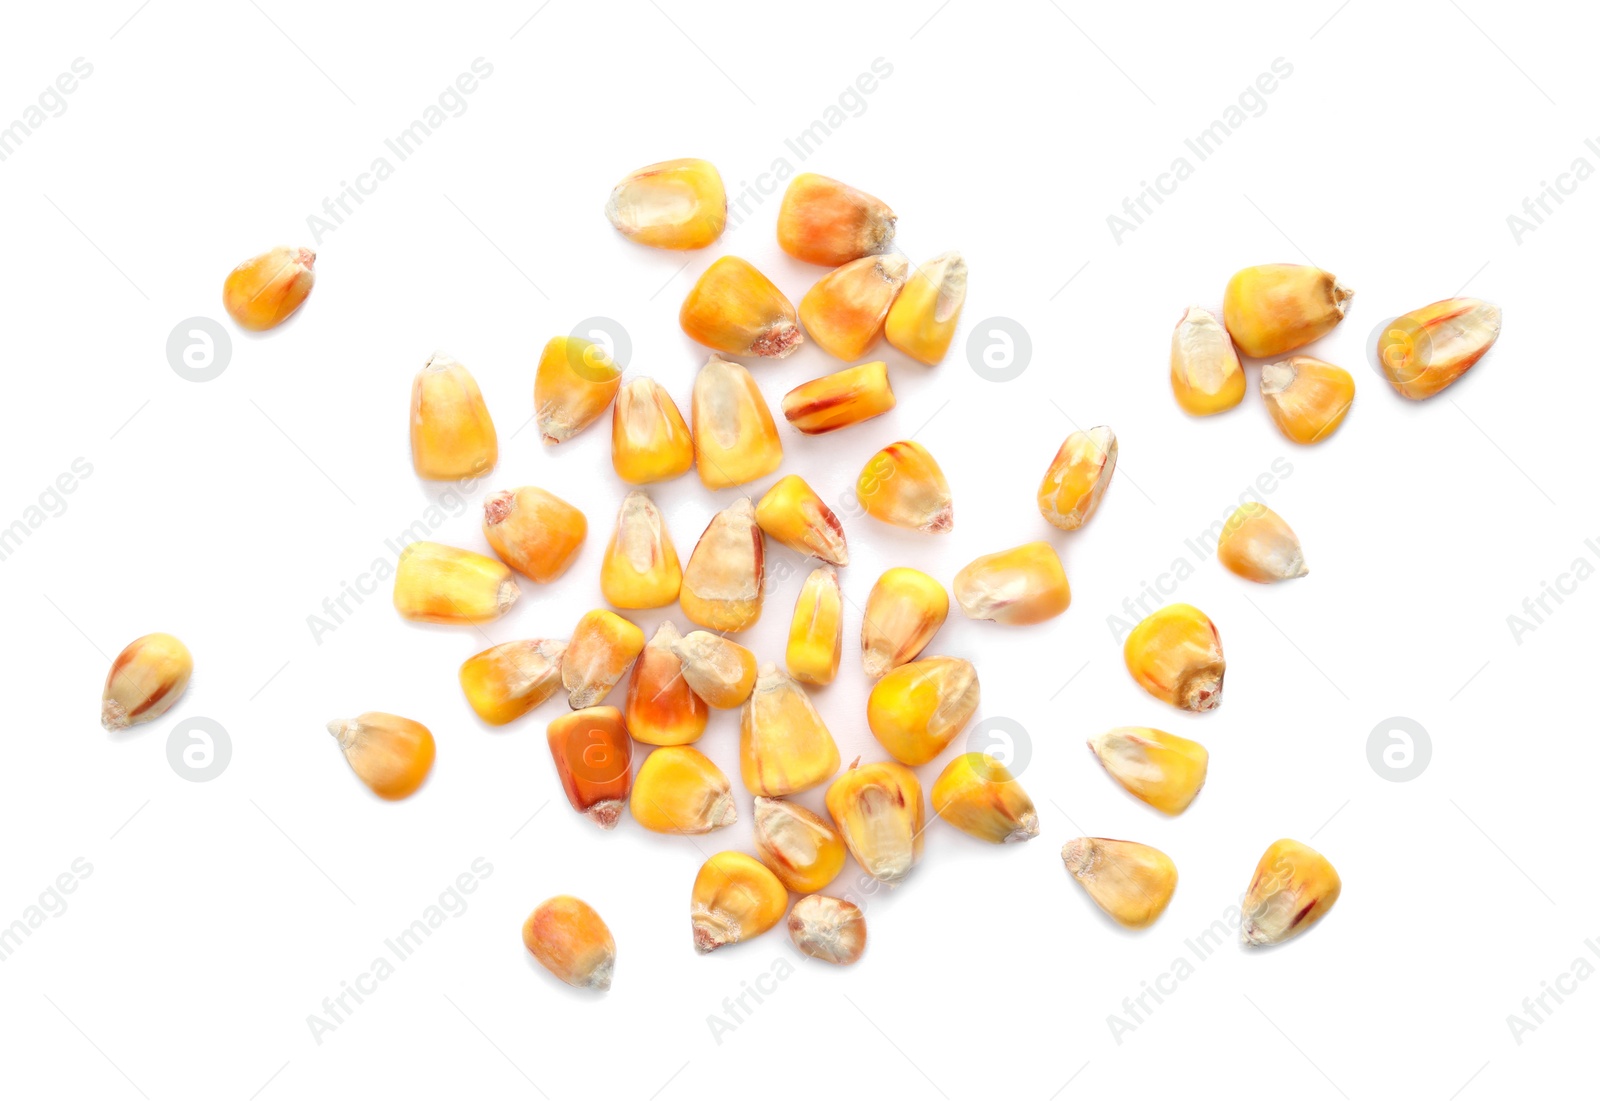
219 915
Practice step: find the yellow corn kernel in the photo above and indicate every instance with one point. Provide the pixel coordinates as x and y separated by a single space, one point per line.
793 514
640 569
1307 397
783 745
1426 350
735 898
649 441
919 708
678 204
844 311
391 755
679 790
572 942
1293 887
877 809
1272 308
733 308
717 669
903 486
1175 654
602 650
661 708
1257 545
263 291
839 400
978 796
823 221
451 433
922 321
803 851
723 582
828 929
434 583
735 437
536 533
1206 375
572 386
1131 882
507 681
148 677
1161 769
905 609
1078 477
1022 585
594 761
816 633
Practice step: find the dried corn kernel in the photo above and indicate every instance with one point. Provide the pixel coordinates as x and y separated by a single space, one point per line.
803 851
1175 654
661 708
919 708
903 486
839 400
1307 397
828 929
735 438
823 221
594 759
723 582
148 677
391 755
783 745
572 942
905 609
877 809
602 650
1428 349
733 308
536 533
978 796
677 204
1273 308
735 898
263 291
719 670
1258 546
1162 769
434 583
451 433
922 321
793 514
649 441
640 569
1078 477
679 790
816 633
572 386
1022 585
1206 375
507 681
844 311
1131 882
1294 886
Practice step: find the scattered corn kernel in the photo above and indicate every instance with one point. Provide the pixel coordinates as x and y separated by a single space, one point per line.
263 291
1175 654
922 321
451 433
148 677
1131 882
572 386
723 582
678 204
903 486
733 308
1294 886
978 796
602 650
905 609
391 755
572 942
661 708
1428 349
1307 397
640 569
1206 375
784 747
844 311
1273 308
1022 585
434 583
507 681
1258 546
877 809
679 790
823 221
793 514
1162 769
735 898
919 708
649 440
535 532
594 759
816 633
828 929
803 851
1078 477
717 669
839 400
735 438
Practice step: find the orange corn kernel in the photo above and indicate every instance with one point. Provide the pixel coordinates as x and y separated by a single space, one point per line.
905 609
602 650
680 790
1206 375
793 514
1426 350
1022 585
903 486
922 321
735 898
572 942
1175 654
148 677
661 708
507 681
451 433
723 582
434 583
535 532
803 851
839 400
878 811
844 311
572 386
1307 398
263 291
828 929
735 437
823 221
718 670
640 569
733 308
1274 308
594 759
784 747
1078 477
391 755
816 632
677 204
915 711
649 441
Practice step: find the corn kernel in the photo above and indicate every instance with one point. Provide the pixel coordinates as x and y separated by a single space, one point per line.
816 633
828 929
733 308
602 650
1206 375
679 790
1175 654
1257 545
594 759
1161 769
451 433
1131 882
434 583
803 851
877 809
919 708
793 514
823 221
723 582
783 745
1273 308
677 204
735 437
572 942
1294 886
391 755
735 898
534 532
1307 397
640 569
844 311
905 609
148 677
649 441
903 486
507 681
978 796
572 386
1426 350
661 708
1019 586
717 669
1078 477
839 400
922 321
263 291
